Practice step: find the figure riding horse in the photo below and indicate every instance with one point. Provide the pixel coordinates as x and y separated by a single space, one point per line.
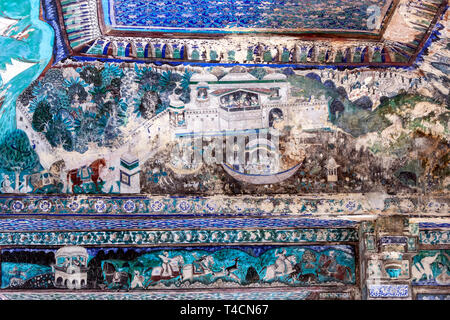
340 272
87 173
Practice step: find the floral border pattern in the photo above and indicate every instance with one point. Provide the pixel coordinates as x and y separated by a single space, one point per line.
434 237
130 237
389 291
191 295
220 205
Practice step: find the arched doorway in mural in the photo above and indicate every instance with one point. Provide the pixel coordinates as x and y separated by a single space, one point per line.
274 115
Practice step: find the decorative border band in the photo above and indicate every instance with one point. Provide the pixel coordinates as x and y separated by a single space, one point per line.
141 237
389 291
63 224
221 205
191 295
434 237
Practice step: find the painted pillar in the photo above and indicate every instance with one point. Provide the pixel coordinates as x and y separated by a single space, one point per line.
387 247
129 174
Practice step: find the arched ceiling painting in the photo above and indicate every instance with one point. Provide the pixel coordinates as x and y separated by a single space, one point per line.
276 149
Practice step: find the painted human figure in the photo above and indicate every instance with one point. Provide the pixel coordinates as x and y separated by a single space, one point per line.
137 281
109 177
166 268
280 263
333 264
6 185
198 263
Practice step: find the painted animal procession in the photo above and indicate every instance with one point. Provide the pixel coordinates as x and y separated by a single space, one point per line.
75 267
183 268
86 179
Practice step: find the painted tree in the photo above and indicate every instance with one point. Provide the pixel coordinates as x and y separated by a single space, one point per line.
258 73
18 156
41 116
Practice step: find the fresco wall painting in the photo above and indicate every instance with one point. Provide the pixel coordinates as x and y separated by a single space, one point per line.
205 267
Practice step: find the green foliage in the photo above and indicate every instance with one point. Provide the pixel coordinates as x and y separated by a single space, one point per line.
186 78
17 155
259 73
98 93
141 71
391 105
360 122
41 116
91 75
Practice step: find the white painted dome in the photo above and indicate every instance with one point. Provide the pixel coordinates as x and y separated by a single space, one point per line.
175 101
331 164
275 76
238 77
71 251
203 77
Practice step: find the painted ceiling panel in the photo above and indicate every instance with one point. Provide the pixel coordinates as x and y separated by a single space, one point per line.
314 33
250 15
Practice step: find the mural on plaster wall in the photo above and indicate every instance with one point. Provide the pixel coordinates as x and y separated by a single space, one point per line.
431 267
109 128
75 267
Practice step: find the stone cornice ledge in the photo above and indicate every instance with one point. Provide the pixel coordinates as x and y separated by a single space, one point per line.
351 205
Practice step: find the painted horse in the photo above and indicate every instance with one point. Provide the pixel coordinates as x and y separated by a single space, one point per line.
199 268
116 279
298 275
341 273
87 174
173 270
284 265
